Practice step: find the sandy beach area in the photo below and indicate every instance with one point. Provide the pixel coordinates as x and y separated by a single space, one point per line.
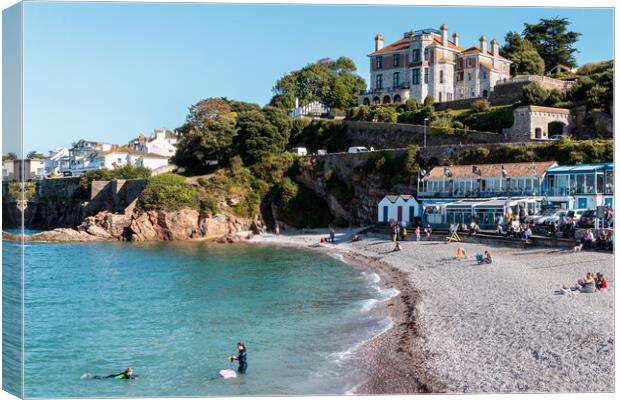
460 327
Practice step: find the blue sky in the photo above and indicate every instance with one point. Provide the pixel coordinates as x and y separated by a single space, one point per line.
109 71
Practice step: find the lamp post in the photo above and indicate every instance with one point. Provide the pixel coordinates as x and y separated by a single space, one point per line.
425 120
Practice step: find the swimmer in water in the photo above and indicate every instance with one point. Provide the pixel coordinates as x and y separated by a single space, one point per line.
242 357
127 374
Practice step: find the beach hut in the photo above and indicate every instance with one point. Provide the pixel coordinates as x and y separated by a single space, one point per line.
402 208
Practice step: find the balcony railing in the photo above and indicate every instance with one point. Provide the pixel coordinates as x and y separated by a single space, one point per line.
402 86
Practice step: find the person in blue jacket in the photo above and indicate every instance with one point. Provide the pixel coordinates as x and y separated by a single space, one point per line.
242 358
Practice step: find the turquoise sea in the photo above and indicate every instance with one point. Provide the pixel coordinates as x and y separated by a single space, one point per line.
174 312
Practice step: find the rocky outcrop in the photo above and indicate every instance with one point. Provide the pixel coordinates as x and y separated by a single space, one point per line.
56 235
148 226
185 225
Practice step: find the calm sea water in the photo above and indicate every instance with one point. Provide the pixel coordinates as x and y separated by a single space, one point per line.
174 312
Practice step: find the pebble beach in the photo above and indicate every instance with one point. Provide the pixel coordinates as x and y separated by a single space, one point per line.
461 327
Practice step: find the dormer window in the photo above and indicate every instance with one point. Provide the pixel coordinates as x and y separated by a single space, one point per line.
380 62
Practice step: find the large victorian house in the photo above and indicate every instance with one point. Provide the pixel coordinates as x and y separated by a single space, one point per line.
425 62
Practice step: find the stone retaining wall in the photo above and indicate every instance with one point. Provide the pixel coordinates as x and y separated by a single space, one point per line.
383 135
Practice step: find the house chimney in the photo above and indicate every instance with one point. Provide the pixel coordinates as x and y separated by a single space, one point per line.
455 38
378 42
495 47
444 34
483 44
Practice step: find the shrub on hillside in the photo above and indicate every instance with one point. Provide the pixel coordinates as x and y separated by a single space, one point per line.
168 192
481 105
534 94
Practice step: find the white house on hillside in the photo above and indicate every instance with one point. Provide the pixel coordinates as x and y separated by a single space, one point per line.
162 142
398 208
52 162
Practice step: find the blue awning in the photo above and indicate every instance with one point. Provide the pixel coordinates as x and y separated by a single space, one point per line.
579 168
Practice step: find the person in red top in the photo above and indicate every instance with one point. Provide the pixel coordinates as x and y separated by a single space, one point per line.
603 282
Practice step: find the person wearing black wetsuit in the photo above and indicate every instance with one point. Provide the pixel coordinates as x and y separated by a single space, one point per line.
242 357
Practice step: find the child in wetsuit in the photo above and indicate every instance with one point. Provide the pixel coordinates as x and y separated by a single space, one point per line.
242 357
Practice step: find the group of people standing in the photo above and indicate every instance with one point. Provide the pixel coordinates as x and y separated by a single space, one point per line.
400 232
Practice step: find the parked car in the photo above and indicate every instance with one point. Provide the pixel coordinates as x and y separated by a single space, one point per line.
556 218
587 219
300 151
540 219
557 137
357 149
576 214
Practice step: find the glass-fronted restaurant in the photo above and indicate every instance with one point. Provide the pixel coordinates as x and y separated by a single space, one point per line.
580 186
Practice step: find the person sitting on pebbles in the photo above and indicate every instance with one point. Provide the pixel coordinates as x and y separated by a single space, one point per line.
398 246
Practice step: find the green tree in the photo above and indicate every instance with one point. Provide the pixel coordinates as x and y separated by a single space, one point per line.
335 83
262 133
553 41
534 94
9 156
525 58
207 135
33 155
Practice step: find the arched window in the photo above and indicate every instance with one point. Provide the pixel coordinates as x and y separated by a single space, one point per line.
386 100
376 100
397 99
366 101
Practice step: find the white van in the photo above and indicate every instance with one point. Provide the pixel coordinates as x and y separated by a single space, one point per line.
300 151
357 149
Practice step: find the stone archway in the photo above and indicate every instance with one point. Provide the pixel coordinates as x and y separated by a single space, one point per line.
376 100
556 128
397 99
534 123
386 100
366 101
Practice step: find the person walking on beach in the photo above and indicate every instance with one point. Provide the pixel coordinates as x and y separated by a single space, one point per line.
417 233
242 358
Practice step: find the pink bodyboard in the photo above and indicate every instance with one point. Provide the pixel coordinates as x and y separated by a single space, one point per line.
228 373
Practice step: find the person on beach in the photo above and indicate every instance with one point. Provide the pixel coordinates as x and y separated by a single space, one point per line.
487 257
428 231
405 233
332 235
417 233
398 246
587 285
600 281
242 358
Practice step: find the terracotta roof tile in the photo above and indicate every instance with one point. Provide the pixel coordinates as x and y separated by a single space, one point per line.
492 170
549 109
397 45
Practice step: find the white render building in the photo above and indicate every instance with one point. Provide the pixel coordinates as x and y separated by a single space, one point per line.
425 62
162 142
